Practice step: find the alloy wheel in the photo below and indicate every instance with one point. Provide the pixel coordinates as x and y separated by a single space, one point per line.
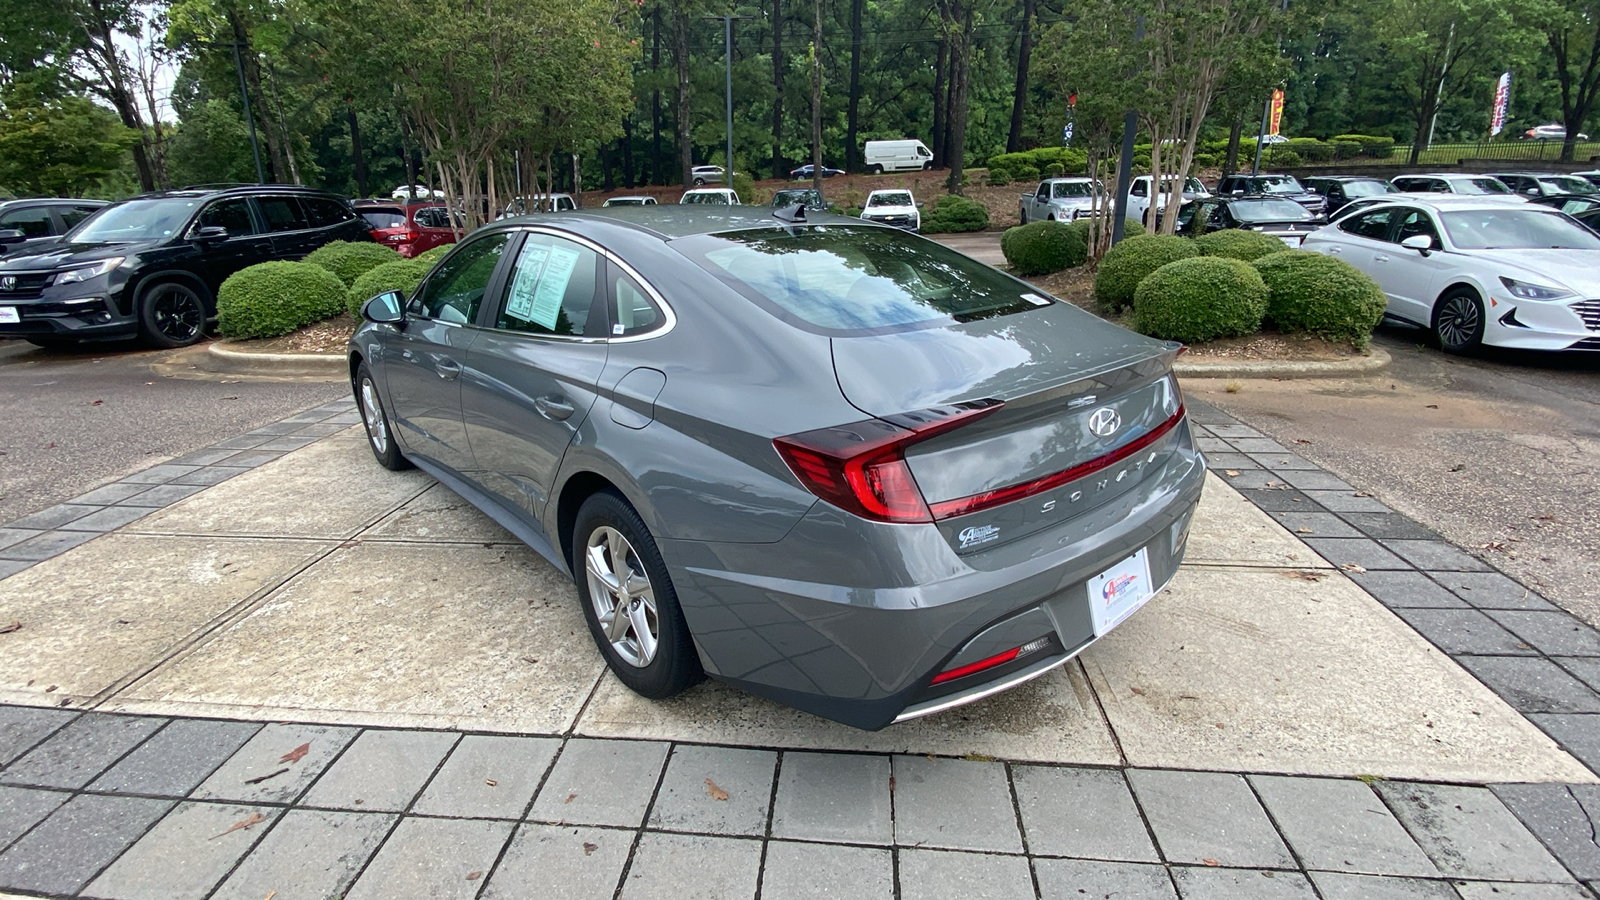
177 314
372 415
624 600
1458 321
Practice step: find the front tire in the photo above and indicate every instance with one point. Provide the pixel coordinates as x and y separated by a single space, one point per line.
380 436
1458 321
699 181
1022 214
874 169
171 315
628 600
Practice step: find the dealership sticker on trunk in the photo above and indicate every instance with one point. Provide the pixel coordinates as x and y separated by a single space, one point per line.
1117 592
9 314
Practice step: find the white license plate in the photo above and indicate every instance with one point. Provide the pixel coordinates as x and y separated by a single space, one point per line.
9 314
1119 591
1292 240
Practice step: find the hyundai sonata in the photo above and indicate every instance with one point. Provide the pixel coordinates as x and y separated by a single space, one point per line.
829 462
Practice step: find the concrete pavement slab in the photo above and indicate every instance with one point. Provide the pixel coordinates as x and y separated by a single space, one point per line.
73 756
177 758
693 867
1465 631
601 783
1492 890
1084 813
1206 883
1050 719
23 808
79 839
799 871
1238 668
277 764
414 634
1229 529
954 804
560 862
115 607
1407 590
1208 818
1491 590
948 875
491 776
1469 833
331 489
1579 733
442 859
1341 886
716 790
439 514
208 837
834 797
308 853
1563 817
21 727
1342 826
382 771
1532 684
1075 879
1551 633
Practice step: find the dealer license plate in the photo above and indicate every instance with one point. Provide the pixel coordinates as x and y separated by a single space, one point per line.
1292 240
1120 590
9 314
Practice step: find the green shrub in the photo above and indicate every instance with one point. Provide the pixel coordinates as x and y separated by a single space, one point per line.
400 276
1371 146
1200 299
1207 160
1024 171
1309 149
999 176
744 184
1127 264
1040 248
1080 227
432 256
954 213
349 260
1328 297
1237 243
1278 156
1346 149
274 298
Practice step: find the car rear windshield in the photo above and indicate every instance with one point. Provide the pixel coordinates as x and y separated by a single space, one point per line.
136 220
1269 210
1481 186
384 218
1516 229
846 280
1275 184
705 197
1367 188
1568 185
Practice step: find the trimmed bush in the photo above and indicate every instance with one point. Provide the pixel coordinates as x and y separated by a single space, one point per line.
1200 299
402 276
432 256
1237 243
274 298
1310 149
999 176
954 213
1373 147
350 260
1127 264
1040 248
1328 297
1346 149
1278 156
1024 171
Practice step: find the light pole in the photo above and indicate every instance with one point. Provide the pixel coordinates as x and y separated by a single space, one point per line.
255 148
727 80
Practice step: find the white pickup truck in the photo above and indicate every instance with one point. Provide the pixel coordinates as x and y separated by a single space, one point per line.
1060 199
1139 194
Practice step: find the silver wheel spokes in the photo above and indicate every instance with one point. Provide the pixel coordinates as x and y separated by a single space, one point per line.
1457 321
372 414
624 600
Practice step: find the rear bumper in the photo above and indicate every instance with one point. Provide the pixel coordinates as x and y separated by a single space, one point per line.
851 620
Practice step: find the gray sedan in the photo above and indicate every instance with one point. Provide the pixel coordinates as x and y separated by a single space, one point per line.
832 463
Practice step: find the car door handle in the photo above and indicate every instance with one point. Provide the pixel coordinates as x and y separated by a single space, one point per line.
448 369
1336 250
554 408
1380 258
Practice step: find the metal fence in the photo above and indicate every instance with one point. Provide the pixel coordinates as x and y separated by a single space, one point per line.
1450 154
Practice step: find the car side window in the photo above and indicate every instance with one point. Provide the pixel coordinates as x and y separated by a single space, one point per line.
455 290
33 221
1438 186
283 213
326 211
432 217
632 310
551 288
1414 222
232 214
1374 225
1139 189
72 215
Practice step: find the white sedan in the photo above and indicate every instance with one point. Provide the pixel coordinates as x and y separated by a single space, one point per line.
1477 270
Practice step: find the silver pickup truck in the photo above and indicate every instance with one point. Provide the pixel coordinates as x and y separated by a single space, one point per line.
1061 199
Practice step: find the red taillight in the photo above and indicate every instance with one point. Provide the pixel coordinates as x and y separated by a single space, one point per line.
999 659
861 468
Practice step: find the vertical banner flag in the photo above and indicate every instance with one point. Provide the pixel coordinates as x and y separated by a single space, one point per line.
1072 108
1277 112
1502 99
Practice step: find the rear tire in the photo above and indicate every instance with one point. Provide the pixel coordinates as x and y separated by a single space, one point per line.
1022 214
699 181
171 315
380 434
927 167
1458 321
874 169
628 600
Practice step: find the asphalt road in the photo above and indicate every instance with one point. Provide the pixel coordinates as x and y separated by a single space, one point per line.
71 421
1499 452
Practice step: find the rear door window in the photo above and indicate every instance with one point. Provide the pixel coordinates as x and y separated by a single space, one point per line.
432 217
33 221
551 289
72 215
1374 225
283 213
326 211
456 288
232 214
1414 222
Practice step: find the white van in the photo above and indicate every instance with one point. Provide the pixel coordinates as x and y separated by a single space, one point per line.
897 156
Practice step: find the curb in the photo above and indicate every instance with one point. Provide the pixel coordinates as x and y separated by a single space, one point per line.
244 362
1376 360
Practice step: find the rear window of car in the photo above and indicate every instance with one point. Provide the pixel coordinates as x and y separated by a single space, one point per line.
384 218
846 280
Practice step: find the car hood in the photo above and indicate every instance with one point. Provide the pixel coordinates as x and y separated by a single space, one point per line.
1575 269
68 256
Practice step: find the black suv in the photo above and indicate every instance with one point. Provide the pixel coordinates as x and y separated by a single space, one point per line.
150 266
1342 189
1285 186
25 223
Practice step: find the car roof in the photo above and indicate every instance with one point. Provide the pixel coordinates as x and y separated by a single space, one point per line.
1445 175
1454 201
207 190
668 221
1346 178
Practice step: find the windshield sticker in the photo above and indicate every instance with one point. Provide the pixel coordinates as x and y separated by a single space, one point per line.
553 286
529 267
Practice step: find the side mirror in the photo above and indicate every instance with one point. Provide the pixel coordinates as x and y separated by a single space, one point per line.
1421 243
388 308
211 233
920 204
11 236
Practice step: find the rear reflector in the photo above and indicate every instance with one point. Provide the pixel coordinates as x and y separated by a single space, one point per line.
999 659
861 468
961 506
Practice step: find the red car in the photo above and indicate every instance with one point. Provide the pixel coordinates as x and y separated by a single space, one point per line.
408 228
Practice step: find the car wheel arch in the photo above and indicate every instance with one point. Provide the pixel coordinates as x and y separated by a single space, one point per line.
1458 284
208 297
579 486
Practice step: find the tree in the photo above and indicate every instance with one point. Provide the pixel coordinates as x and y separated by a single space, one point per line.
1571 30
958 19
116 77
1019 95
57 145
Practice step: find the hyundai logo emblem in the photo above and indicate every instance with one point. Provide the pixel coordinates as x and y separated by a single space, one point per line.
1104 422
